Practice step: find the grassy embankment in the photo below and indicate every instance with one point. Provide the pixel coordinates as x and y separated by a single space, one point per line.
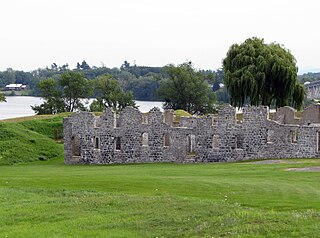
30 139
50 199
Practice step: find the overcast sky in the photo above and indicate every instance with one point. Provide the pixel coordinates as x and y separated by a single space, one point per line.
36 33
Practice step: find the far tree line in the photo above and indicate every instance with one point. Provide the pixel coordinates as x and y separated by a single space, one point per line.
142 81
183 87
253 73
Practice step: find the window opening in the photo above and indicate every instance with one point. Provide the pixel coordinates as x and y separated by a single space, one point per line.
96 143
144 139
191 143
166 139
75 142
144 118
96 122
270 134
116 120
239 142
118 143
214 120
215 142
294 136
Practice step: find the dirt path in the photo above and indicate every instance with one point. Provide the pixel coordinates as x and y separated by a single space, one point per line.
274 162
306 169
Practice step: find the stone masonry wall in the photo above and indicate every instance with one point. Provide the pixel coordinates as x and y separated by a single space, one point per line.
135 137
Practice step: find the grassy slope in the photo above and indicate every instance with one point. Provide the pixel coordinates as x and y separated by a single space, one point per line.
45 126
29 140
50 199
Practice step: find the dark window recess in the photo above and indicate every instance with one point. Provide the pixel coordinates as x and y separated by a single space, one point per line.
96 143
75 142
239 142
118 143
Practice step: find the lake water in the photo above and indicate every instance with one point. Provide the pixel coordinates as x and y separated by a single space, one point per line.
20 106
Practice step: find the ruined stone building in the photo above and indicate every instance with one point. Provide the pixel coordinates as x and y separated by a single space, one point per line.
135 137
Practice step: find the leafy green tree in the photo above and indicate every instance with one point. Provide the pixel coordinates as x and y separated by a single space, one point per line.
144 88
222 95
64 67
84 65
53 101
211 77
54 67
261 73
97 106
10 75
74 88
125 65
187 89
309 77
2 97
109 94
219 75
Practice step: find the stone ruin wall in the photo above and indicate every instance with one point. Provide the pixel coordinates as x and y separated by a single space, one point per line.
135 137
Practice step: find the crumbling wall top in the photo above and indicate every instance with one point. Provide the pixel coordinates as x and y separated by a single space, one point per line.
311 114
227 115
286 115
252 114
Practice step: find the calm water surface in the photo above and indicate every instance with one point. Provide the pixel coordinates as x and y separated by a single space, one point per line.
20 106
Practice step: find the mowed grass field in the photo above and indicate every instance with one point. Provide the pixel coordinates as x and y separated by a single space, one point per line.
50 199
40 196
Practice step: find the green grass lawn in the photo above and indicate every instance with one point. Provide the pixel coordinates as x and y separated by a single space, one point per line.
50 199
42 197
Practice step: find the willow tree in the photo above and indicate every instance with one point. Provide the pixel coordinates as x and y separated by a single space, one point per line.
262 74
